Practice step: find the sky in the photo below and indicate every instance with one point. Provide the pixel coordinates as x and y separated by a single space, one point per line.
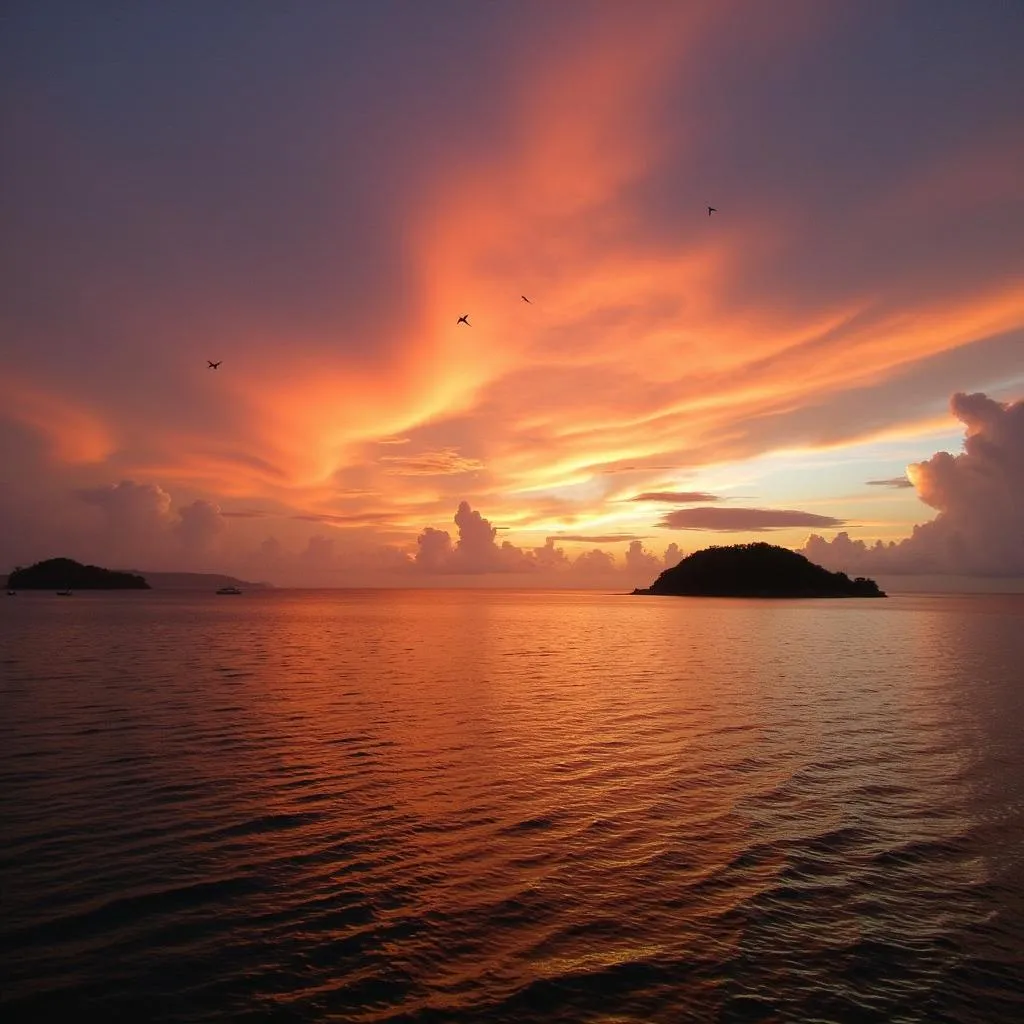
312 194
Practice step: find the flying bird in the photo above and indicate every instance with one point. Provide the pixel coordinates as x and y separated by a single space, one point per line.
213 366
464 319
525 299
712 209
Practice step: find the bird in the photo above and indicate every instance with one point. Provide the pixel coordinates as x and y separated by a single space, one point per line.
525 299
711 210
213 366
464 319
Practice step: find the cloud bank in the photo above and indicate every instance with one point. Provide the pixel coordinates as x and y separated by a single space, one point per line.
138 524
978 495
476 552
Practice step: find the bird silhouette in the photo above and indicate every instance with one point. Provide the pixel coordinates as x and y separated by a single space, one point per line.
213 366
464 319
712 209
525 299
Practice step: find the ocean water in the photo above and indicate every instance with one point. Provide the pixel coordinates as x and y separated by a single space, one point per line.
504 806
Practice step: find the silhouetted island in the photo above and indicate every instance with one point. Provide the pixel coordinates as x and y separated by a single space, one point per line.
756 570
67 574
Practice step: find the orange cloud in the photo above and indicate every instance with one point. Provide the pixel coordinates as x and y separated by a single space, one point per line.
657 342
440 463
743 520
74 433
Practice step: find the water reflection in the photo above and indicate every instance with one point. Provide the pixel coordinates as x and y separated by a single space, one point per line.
511 806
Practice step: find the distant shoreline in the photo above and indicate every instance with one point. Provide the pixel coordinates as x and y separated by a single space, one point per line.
63 574
200 581
894 585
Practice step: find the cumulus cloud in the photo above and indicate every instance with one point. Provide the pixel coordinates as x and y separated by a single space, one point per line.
551 559
675 497
444 462
434 550
594 563
199 525
754 520
477 552
271 549
142 527
640 562
979 497
844 554
895 481
140 524
319 551
129 507
326 561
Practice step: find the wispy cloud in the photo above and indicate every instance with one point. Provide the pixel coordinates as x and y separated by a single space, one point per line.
598 538
566 156
675 497
898 482
74 432
445 462
351 519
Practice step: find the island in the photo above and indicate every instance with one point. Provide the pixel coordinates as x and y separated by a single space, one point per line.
66 574
200 581
756 570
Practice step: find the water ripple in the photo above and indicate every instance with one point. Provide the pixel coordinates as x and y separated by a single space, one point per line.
507 807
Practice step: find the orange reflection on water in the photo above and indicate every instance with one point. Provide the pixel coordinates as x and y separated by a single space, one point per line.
513 804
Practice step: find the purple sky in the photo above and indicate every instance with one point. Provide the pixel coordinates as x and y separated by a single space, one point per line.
313 193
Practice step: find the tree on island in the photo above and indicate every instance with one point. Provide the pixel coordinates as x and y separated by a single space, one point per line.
756 570
67 574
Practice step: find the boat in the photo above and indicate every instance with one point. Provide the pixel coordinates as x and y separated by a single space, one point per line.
229 590
12 593
63 593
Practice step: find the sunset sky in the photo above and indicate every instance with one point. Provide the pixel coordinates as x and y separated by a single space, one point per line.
314 193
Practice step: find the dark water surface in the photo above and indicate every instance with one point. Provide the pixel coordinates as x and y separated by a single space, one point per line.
497 806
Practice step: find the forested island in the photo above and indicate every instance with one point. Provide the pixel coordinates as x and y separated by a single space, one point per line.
67 574
756 570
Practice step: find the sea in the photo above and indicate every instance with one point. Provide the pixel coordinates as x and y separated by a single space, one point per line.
511 806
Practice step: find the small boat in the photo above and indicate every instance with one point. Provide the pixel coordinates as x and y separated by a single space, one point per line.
229 590
63 593
12 593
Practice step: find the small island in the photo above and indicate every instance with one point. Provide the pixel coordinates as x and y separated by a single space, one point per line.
756 570
66 574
